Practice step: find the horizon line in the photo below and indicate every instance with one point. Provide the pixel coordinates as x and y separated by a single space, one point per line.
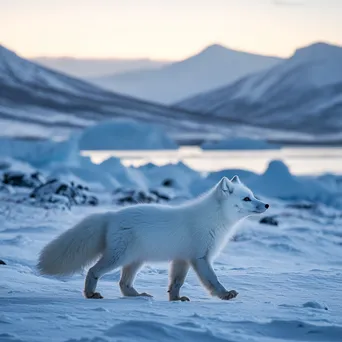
162 60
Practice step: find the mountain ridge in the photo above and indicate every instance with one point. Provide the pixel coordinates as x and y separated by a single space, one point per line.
96 67
35 101
207 69
304 91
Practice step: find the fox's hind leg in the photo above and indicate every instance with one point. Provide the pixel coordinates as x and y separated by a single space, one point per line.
128 274
103 266
178 271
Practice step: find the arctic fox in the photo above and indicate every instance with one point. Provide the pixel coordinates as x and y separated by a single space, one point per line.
190 234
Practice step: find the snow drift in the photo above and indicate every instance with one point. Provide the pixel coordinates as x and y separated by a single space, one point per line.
277 181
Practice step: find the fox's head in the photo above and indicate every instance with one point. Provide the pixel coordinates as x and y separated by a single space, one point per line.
235 197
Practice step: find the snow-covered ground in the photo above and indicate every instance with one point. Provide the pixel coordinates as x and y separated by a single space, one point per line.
288 275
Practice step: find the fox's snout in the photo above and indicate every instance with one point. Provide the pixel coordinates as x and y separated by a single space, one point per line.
262 207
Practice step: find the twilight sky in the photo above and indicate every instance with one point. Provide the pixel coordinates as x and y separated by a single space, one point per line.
165 29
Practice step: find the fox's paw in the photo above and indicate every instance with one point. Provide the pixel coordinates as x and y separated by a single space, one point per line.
228 295
144 294
93 295
182 299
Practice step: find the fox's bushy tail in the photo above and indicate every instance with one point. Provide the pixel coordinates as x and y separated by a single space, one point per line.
75 248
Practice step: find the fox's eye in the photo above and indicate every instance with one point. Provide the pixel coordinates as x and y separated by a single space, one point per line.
247 199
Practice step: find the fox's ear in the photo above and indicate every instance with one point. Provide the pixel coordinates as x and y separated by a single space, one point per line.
226 185
235 179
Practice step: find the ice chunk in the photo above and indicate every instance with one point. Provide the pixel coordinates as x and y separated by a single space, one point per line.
123 134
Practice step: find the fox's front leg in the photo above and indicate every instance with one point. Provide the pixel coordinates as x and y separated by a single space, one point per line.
209 279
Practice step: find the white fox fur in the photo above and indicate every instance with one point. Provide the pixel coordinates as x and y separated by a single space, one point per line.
190 234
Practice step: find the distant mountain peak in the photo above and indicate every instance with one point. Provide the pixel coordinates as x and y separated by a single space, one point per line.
302 93
7 59
38 102
4 52
214 48
209 68
318 50
2 47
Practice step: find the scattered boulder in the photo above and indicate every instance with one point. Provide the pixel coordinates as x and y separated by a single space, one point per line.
49 201
305 206
21 179
59 194
270 220
55 191
48 194
155 195
2 262
162 195
168 182
131 196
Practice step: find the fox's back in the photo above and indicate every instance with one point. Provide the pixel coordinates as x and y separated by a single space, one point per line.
157 230
146 214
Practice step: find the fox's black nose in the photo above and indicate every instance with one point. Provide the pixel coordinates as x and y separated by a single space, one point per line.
267 206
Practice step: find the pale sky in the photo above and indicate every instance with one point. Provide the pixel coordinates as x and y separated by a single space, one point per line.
165 29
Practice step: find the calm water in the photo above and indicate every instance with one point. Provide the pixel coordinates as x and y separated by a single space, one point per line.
299 160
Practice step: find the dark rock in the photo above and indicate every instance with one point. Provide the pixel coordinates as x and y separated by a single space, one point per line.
92 200
168 182
162 196
305 206
49 201
53 190
38 177
131 196
2 262
21 179
270 220
135 197
156 195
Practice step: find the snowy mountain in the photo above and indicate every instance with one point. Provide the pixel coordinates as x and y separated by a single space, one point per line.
36 101
213 67
91 67
302 93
